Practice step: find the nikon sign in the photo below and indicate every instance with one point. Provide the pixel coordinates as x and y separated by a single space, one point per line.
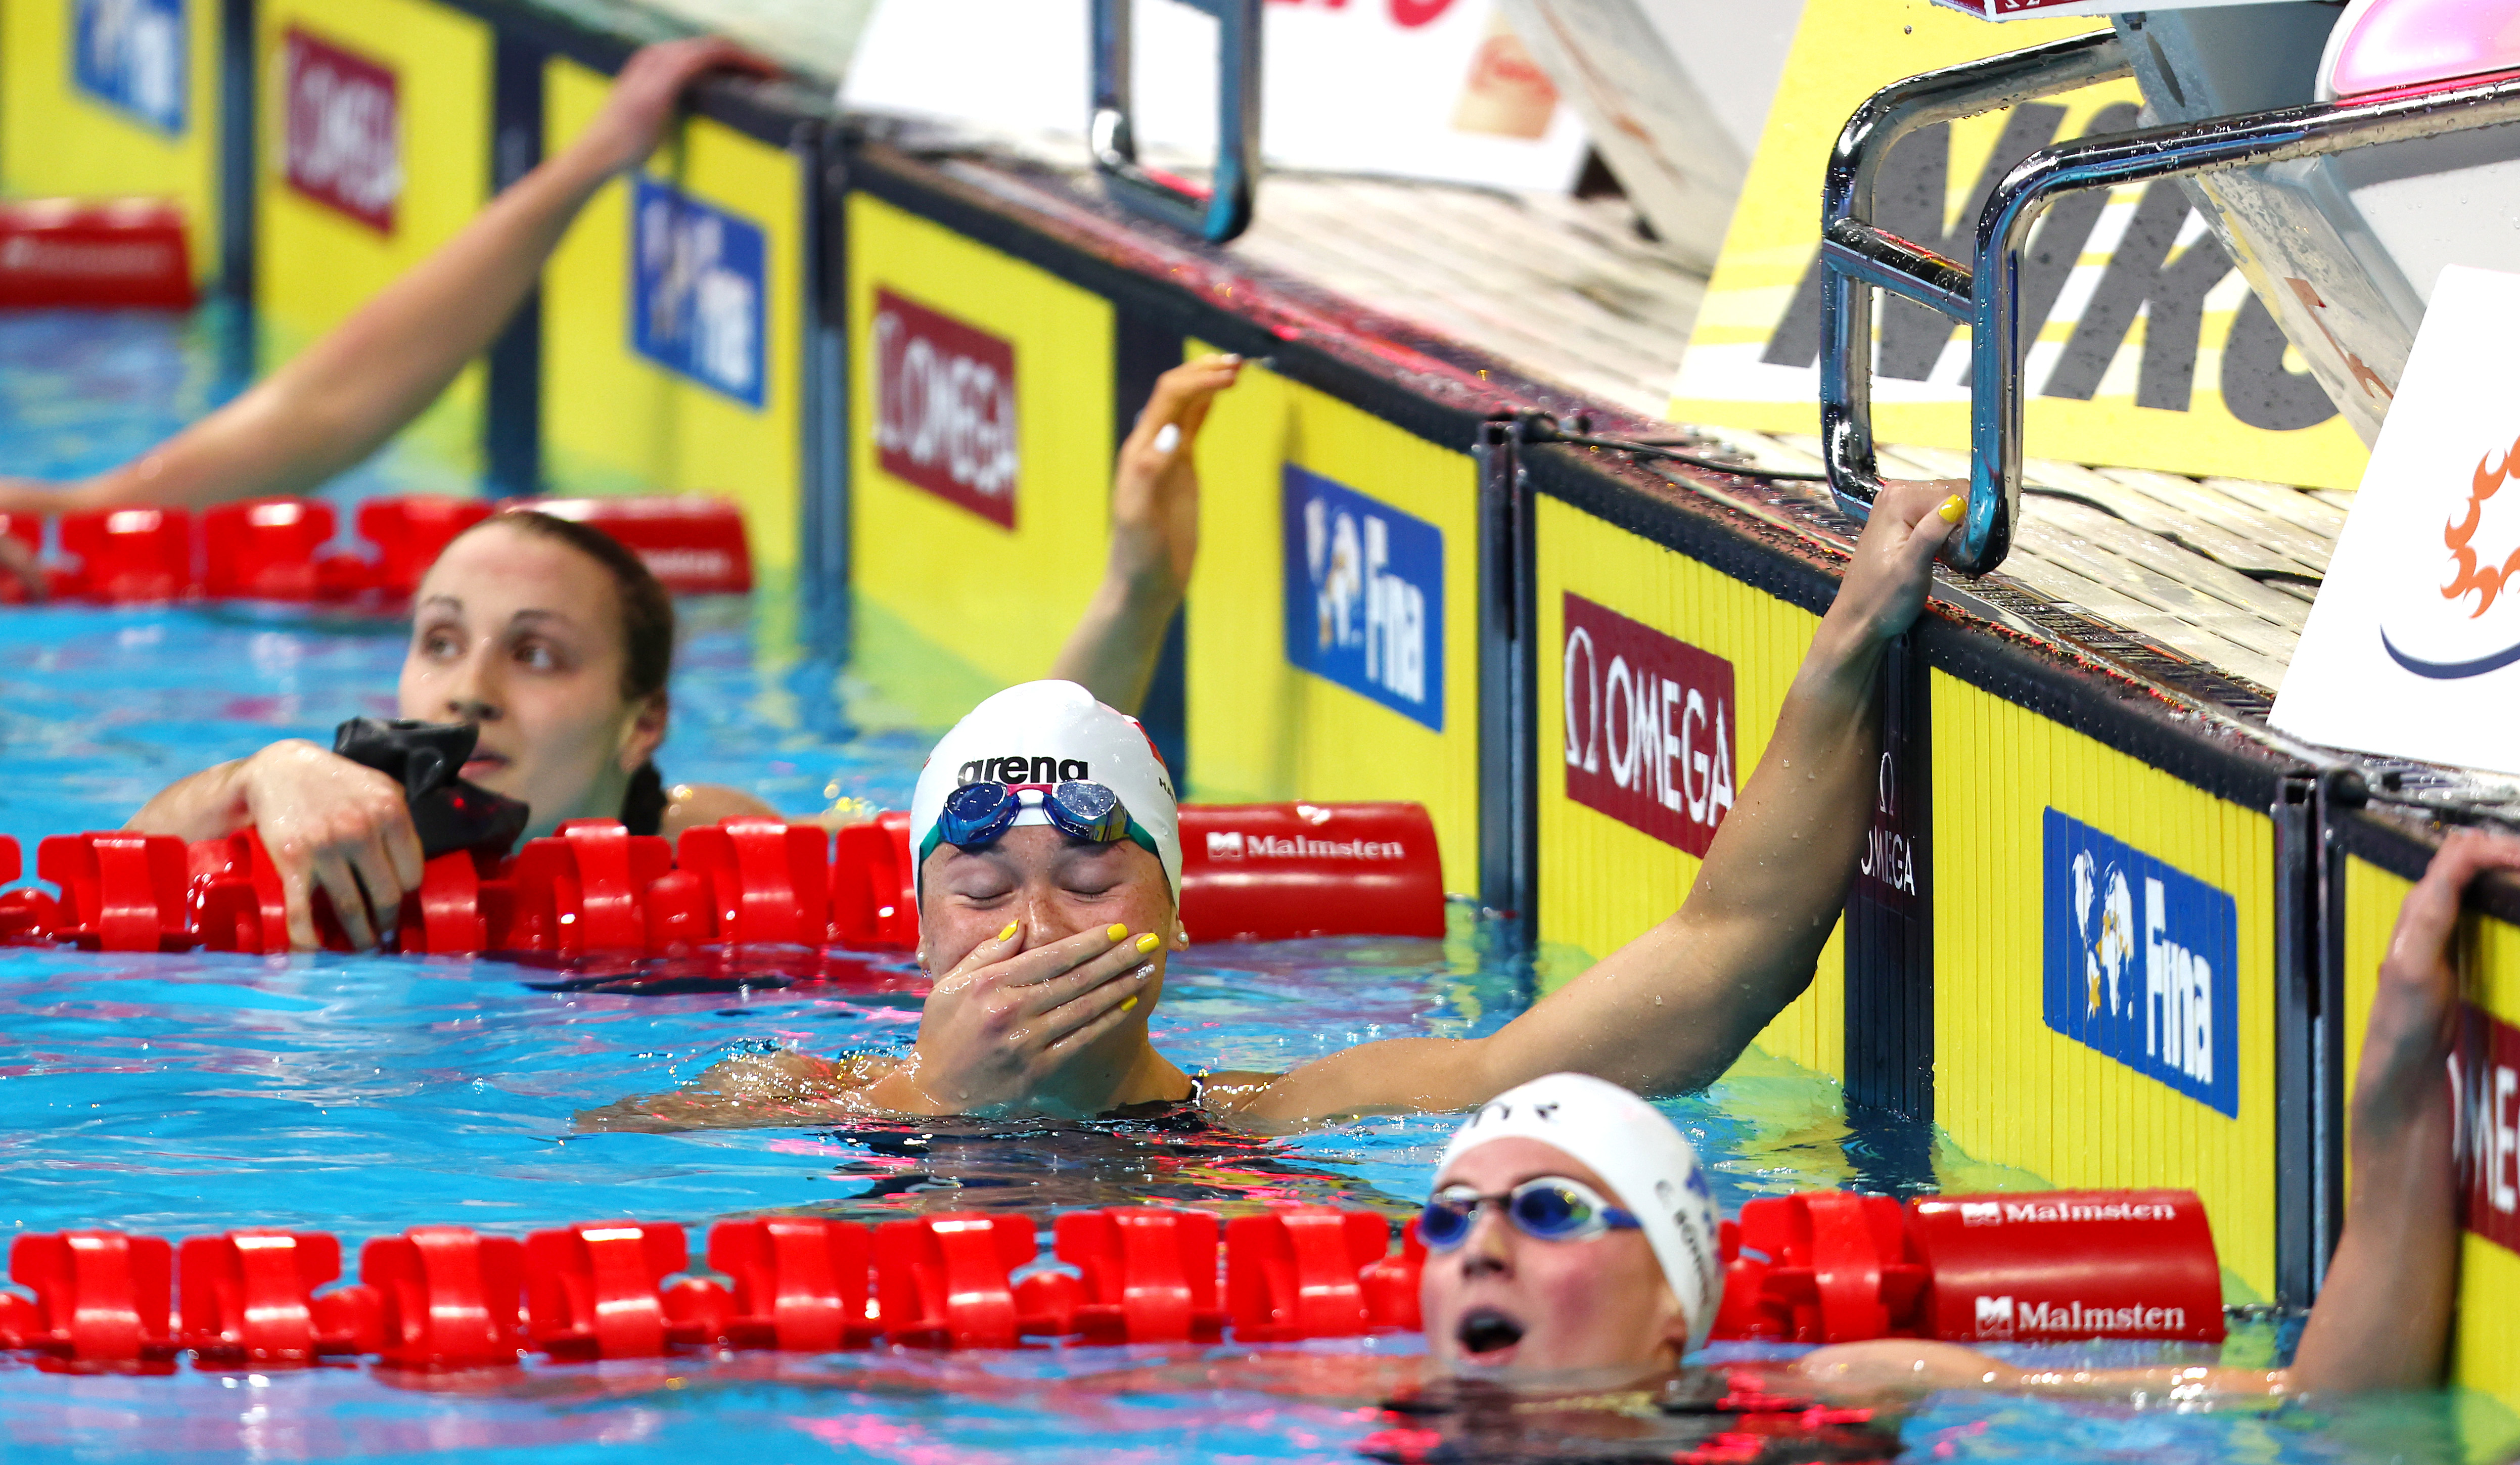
2142 345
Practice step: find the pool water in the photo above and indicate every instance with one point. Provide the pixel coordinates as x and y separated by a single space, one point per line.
185 1095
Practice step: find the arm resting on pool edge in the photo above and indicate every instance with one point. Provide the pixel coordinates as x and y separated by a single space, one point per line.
342 398
1154 539
2382 1320
1672 1009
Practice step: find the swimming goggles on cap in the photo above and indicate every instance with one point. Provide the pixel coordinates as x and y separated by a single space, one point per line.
1551 1208
979 813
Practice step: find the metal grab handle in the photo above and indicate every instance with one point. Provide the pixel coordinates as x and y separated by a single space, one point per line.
1223 209
1986 297
1860 258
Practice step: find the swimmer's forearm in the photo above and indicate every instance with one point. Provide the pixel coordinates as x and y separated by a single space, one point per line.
1113 651
342 398
208 805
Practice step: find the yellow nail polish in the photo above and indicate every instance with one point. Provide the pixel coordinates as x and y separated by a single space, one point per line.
1127 1003
1009 934
1953 507
1150 941
1118 931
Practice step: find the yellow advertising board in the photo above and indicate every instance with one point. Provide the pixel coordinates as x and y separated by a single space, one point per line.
376 149
1607 876
723 418
2150 350
140 120
1261 726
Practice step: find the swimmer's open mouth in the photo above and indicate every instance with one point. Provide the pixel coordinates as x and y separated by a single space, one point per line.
1488 1336
481 763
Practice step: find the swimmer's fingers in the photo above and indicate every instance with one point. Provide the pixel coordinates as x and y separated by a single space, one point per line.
650 85
2419 947
1083 1022
335 877
1108 970
297 896
1181 399
379 861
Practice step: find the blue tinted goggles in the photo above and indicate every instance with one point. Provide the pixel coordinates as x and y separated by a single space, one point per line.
1551 1208
980 814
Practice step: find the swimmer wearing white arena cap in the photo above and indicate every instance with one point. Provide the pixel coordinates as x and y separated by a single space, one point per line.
1048 940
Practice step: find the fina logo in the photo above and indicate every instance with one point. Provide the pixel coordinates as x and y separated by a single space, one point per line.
1365 596
132 53
2142 962
2104 919
698 283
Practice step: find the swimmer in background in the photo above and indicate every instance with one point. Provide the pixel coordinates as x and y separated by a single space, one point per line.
367 379
1046 926
557 644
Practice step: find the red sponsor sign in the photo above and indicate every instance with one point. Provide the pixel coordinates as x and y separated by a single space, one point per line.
2033 1266
343 129
945 407
1648 725
2487 1076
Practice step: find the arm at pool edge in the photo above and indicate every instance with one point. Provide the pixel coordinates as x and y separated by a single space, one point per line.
1155 540
2382 1320
366 379
1672 1009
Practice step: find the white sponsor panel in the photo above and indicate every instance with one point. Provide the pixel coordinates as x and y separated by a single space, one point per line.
2413 649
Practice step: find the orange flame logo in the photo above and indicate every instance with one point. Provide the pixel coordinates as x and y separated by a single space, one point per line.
2487 580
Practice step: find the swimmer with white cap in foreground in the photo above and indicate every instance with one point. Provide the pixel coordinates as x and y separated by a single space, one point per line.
1049 868
1570 1230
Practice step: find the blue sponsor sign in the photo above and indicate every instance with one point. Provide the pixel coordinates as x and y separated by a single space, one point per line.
1365 596
696 280
134 56
2143 963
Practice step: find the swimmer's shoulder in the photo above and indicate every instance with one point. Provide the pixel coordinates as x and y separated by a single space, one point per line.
1231 1091
691 805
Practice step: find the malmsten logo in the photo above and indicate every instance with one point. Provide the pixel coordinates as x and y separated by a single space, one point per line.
1234 844
2003 1317
1648 726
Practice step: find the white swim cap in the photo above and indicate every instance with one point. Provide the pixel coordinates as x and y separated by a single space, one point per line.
1044 733
1644 1158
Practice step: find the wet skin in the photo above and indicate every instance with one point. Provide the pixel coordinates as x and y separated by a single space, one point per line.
1503 1300
519 636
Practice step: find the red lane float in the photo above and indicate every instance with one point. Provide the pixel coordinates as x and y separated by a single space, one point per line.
596 1291
1147 1274
1276 872
1823 1267
1297 1272
101 1297
410 533
275 548
450 1297
248 1297
73 254
121 892
801 1283
696 546
129 555
2069 1263
594 889
942 1281
2046 1265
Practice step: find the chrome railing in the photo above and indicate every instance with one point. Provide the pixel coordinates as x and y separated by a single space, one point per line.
1986 294
1222 209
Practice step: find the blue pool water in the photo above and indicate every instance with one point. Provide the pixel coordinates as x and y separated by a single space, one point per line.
184 1094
